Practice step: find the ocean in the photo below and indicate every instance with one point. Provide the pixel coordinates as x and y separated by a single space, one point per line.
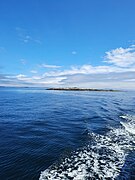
53 135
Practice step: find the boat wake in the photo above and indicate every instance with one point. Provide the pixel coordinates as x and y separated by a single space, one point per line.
103 158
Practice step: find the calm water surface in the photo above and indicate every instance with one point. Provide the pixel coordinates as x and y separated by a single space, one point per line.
66 135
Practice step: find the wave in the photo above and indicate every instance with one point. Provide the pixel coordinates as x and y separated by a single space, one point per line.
130 124
103 158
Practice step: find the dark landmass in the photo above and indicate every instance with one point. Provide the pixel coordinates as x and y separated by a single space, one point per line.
82 89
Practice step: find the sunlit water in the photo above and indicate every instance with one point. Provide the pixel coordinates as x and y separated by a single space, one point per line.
66 135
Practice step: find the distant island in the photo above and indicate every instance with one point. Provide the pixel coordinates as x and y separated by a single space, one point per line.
82 89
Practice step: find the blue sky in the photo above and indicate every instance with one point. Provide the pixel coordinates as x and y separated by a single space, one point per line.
85 43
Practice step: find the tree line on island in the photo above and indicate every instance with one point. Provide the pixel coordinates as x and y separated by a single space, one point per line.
81 89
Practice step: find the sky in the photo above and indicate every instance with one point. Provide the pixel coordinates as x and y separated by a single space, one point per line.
67 43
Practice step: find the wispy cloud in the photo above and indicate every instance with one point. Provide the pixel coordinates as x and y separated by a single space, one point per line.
23 80
74 52
122 57
25 36
49 66
34 71
23 61
88 69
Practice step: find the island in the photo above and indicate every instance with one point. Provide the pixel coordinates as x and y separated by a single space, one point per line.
81 89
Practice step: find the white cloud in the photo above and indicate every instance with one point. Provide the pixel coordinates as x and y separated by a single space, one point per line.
34 71
49 66
121 57
21 77
88 69
23 61
74 52
130 80
25 37
112 80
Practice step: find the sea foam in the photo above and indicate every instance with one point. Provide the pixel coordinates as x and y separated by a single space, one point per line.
129 125
103 158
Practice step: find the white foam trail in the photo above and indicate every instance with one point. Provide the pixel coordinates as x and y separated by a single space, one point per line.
102 160
129 127
128 117
130 124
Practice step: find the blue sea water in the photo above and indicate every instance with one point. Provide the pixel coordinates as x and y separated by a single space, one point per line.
66 135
